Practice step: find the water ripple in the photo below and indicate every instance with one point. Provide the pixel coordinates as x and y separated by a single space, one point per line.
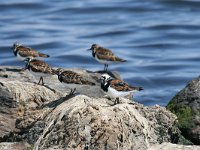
160 39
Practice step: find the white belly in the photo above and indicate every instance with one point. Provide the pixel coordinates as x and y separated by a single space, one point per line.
20 57
114 93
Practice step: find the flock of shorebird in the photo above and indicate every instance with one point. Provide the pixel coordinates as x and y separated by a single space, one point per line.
113 87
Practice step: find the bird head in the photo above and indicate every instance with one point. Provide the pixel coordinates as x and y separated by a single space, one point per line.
59 71
105 78
16 45
94 47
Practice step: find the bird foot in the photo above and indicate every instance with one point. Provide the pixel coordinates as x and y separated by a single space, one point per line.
72 91
116 101
22 70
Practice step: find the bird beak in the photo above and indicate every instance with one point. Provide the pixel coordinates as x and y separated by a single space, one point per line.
89 49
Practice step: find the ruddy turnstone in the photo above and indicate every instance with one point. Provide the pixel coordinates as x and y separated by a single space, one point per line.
22 52
39 68
104 56
116 88
70 77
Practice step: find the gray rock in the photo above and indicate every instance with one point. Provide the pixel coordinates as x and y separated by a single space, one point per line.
170 146
14 146
186 105
91 123
43 117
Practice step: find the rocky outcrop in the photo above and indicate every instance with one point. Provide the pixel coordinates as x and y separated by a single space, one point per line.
186 105
86 123
45 118
15 146
170 146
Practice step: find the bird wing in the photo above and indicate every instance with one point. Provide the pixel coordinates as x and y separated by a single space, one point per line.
119 85
71 77
40 66
104 51
74 78
106 54
26 51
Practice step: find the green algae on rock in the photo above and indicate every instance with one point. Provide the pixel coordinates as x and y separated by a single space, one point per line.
186 105
45 119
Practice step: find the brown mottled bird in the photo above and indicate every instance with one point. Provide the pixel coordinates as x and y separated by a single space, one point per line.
116 88
39 68
70 77
104 56
22 52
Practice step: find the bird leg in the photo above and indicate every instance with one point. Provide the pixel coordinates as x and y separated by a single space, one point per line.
22 70
41 79
116 101
70 94
105 67
130 96
72 91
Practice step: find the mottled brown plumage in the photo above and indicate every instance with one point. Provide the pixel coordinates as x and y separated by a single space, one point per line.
72 78
116 88
109 58
39 68
122 86
104 55
24 52
103 51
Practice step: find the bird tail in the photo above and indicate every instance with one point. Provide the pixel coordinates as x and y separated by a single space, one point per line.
139 88
120 59
134 88
43 55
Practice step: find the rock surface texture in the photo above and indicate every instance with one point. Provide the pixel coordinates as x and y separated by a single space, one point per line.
170 146
43 117
186 105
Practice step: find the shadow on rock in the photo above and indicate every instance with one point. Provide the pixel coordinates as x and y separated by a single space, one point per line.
55 103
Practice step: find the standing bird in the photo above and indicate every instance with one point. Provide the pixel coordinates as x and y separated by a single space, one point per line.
70 77
116 88
104 56
39 68
22 52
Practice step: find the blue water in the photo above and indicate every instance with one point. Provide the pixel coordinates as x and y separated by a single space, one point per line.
159 38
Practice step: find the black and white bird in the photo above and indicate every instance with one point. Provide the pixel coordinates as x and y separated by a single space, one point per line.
22 52
104 56
71 77
39 68
116 88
